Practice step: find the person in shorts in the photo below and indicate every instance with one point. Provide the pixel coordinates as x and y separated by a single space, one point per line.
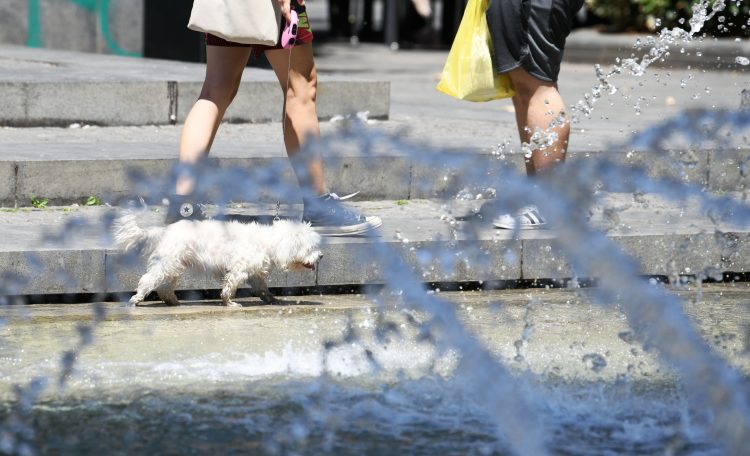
296 73
528 38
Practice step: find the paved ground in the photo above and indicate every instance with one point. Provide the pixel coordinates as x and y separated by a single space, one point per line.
69 164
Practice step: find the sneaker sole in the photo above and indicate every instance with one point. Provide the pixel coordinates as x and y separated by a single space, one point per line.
370 224
504 226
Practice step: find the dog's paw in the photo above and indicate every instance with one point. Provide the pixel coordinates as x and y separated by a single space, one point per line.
233 304
268 298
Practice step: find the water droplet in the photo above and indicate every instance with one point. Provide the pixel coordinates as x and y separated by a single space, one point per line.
596 362
744 61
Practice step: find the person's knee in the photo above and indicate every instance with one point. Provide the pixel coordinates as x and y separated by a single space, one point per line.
303 90
524 89
219 94
526 85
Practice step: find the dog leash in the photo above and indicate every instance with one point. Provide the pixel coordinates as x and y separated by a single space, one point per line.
276 217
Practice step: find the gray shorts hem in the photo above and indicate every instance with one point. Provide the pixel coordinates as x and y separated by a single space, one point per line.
508 67
516 65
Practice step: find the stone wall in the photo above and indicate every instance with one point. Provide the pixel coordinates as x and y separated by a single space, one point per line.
102 26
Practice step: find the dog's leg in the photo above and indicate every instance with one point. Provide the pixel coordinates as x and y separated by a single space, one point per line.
146 285
137 298
166 293
232 281
154 278
260 289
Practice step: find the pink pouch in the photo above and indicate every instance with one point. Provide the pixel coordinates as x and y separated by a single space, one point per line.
289 34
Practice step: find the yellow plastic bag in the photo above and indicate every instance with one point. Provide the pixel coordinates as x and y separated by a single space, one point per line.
468 73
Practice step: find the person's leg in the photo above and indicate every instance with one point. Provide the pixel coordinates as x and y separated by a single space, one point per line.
298 79
540 108
224 65
544 128
299 82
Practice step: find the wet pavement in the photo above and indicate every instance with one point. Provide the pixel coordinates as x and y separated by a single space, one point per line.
339 374
554 333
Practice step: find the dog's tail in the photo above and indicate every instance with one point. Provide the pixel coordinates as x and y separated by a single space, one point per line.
128 235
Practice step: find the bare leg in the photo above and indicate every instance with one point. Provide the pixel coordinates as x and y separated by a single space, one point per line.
299 81
223 73
297 76
538 105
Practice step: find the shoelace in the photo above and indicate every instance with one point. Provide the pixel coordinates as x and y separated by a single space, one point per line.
342 198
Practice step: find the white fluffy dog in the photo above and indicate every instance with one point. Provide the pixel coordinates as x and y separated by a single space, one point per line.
235 252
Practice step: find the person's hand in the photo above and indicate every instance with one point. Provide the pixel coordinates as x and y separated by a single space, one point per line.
286 9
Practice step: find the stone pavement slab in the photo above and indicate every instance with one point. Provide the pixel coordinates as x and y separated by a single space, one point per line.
68 250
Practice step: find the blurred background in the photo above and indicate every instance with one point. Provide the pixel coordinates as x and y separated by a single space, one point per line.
157 28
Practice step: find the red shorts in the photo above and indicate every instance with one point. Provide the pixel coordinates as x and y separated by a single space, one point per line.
304 35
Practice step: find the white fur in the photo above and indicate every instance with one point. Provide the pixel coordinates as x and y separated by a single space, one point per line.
235 252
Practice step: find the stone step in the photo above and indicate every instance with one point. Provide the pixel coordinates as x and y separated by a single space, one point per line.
70 171
58 88
68 250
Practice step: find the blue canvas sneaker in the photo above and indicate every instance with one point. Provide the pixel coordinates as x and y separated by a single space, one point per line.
329 217
183 208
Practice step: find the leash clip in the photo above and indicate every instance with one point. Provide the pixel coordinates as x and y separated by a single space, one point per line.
276 217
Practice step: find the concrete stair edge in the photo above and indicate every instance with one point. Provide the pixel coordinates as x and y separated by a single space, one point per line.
660 238
380 177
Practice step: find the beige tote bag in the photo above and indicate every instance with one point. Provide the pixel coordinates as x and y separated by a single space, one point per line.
240 21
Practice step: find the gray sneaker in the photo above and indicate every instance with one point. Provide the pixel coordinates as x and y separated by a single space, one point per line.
329 217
